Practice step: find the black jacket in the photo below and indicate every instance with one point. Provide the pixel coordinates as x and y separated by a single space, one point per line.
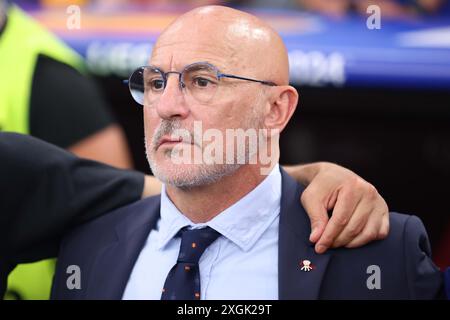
45 191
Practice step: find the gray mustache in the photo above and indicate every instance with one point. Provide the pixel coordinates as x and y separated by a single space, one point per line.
167 128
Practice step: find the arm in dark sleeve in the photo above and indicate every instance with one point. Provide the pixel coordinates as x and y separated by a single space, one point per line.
45 191
424 278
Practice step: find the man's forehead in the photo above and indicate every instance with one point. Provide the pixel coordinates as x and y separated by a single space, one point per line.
177 54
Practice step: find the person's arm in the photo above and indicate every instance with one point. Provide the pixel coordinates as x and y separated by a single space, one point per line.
45 191
152 186
360 214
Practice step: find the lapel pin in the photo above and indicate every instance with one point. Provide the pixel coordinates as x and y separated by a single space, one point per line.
306 266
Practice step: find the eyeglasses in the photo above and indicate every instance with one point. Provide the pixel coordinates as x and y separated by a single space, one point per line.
200 80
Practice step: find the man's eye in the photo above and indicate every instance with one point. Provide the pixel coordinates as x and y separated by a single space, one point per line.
157 84
202 82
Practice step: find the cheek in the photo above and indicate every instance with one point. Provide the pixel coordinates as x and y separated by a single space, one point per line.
235 114
151 122
224 115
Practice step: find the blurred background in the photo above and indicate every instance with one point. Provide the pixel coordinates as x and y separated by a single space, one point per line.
374 97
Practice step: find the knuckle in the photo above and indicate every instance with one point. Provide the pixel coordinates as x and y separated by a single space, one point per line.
341 221
352 232
308 193
371 235
317 223
362 184
355 181
350 194
305 195
385 208
311 197
383 233
305 202
372 192
351 191
326 241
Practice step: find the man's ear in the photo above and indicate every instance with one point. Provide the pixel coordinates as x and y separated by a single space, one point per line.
283 102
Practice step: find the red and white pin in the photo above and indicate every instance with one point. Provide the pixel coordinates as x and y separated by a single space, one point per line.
307 266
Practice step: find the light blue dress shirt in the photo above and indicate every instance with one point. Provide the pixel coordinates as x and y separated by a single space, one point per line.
241 264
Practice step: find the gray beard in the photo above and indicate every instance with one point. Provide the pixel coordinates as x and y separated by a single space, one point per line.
207 173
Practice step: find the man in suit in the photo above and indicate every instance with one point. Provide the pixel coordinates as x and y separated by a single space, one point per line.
50 178
231 230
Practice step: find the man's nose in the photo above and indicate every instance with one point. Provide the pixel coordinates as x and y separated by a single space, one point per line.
172 102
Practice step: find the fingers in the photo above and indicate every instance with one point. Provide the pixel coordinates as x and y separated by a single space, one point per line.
368 205
317 228
316 211
354 227
360 214
377 226
345 206
369 233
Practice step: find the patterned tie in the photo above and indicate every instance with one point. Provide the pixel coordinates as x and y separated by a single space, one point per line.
183 281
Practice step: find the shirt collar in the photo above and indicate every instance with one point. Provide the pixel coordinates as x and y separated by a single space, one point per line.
243 223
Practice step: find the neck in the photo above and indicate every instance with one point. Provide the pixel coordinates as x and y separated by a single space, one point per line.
201 204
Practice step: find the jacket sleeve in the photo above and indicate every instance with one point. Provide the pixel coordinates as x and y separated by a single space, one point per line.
425 280
45 191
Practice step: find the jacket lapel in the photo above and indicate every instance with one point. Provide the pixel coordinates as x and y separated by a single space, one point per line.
115 261
294 247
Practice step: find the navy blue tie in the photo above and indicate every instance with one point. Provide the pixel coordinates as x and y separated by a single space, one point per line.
183 280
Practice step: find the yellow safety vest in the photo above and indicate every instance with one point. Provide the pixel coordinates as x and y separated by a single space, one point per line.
21 42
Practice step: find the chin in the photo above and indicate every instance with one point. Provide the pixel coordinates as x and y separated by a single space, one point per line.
186 176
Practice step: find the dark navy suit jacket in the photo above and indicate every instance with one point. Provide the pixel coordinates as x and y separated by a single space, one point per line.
106 250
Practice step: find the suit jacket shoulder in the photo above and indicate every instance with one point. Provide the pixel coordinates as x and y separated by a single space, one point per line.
106 228
398 267
104 251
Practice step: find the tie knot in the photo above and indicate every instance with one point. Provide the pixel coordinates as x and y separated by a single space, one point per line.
194 242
